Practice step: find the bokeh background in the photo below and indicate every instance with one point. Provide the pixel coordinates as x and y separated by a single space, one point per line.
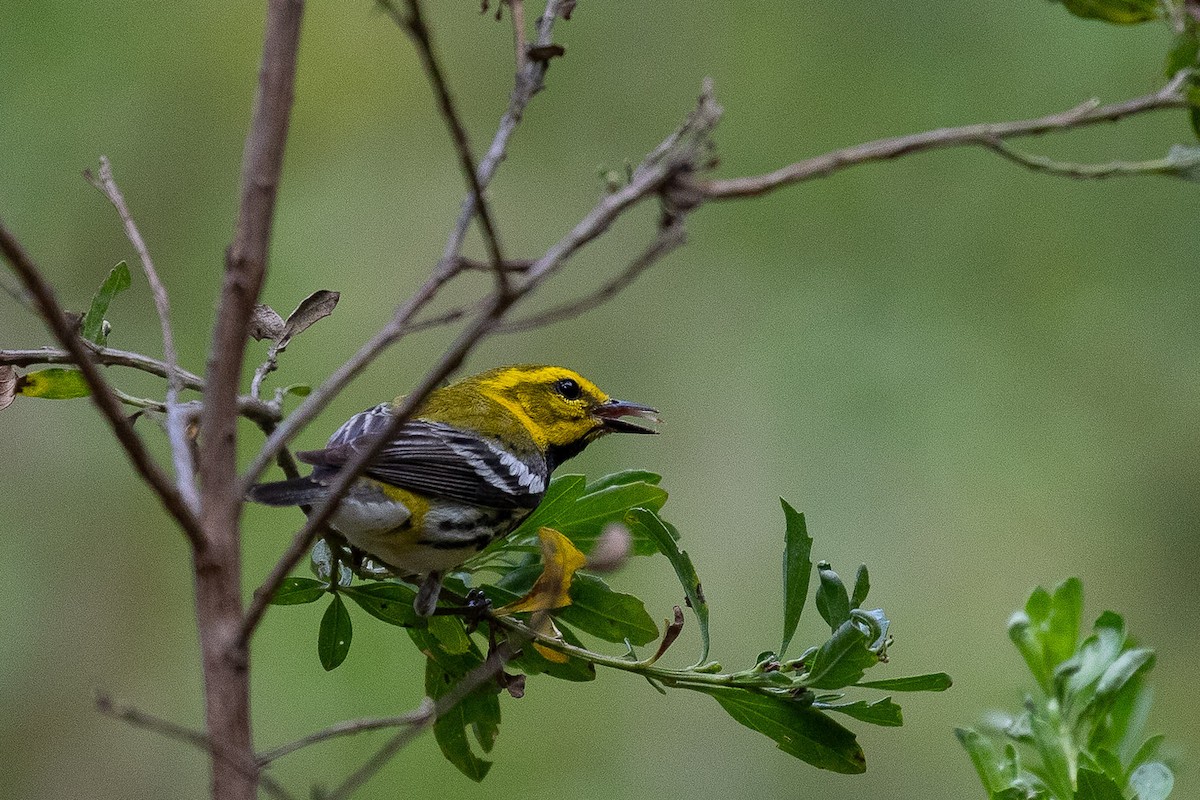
973 378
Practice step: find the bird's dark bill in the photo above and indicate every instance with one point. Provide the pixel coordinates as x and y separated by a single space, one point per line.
610 414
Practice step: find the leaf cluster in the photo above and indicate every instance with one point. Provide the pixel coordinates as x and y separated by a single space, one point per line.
544 607
1080 736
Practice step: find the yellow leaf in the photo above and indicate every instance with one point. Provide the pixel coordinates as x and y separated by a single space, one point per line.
560 559
544 625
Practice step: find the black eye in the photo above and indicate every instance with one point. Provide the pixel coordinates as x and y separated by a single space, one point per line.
568 388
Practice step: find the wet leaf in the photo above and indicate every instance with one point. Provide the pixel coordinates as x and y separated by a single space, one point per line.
798 730
312 309
53 384
92 327
648 524
797 571
295 591
333 638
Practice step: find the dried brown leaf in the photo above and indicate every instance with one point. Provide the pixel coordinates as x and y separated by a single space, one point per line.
317 306
265 323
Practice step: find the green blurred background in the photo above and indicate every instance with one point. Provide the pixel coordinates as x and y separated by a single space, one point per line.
974 378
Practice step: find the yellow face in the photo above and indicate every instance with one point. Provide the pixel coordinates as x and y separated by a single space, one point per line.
557 404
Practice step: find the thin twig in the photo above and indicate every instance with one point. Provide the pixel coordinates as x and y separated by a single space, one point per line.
668 239
981 135
418 31
517 7
348 728
19 296
180 733
105 356
181 455
528 83
1169 166
102 395
488 670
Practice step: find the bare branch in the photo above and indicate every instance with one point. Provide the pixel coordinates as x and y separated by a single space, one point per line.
420 716
218 565
418 31
528 83
488 670
105 356
518 24
181 454
668 239
1171 166
101 393
19 296
981 135
140 719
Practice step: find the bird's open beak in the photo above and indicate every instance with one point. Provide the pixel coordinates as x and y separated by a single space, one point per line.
611 411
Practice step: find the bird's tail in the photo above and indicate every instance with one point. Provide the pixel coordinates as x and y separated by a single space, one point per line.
295 492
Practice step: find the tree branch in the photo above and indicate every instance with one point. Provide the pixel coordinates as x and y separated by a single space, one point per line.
181 454
668 239
1178 166
981 135
528 83
418 31
218 564
105 356
419 716
101 393
140 719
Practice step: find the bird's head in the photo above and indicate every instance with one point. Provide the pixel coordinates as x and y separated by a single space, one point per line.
562 410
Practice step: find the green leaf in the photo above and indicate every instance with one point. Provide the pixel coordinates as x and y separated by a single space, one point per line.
560 495
333 638
1051 747
1119 12
1184 48
933 682
390 602
53 384
1093 785
612 616
586 519
298 389
833 604
450 633
1152 781
985 758
799 730
480 710
862 586
1062 626
1128 665
881 712
1147 752
842 659
797 570
294 591
92 327
648 524
622 478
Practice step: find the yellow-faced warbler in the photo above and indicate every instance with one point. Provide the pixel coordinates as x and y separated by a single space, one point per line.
470 465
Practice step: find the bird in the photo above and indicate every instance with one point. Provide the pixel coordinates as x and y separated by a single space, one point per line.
470 465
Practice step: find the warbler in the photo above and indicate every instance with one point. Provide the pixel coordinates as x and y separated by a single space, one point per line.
472 463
